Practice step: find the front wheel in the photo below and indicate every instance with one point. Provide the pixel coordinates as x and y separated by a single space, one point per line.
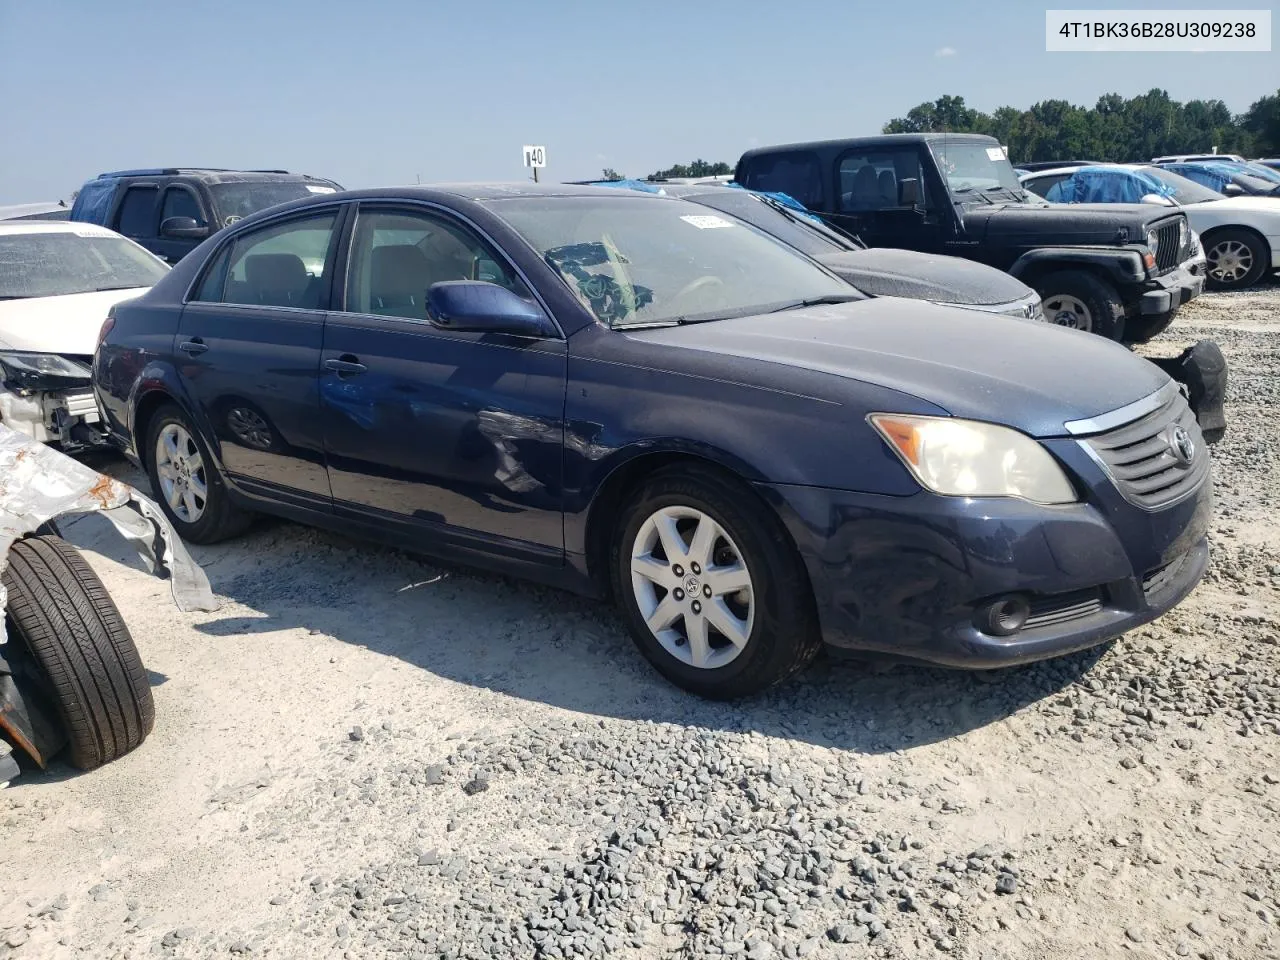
710 585
1236 259
1077 299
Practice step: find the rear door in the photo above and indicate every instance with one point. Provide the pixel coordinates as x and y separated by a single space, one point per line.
457 434
248 350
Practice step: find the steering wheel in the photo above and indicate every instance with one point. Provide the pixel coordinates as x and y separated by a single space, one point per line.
699 289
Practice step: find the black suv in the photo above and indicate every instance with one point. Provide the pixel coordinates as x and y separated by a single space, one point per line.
1113 269
171 210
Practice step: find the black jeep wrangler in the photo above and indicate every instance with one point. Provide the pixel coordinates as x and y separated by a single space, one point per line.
1113 269
171 210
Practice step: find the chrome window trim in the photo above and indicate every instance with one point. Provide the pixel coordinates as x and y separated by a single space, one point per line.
1122 415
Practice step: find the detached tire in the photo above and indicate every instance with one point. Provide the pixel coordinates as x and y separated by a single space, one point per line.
711 585
1078 299
61 612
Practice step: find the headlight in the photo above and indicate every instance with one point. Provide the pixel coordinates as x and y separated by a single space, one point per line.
35 371
1153 242
966 458
1182 234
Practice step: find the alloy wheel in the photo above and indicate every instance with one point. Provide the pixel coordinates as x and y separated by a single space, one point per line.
692 587
1068 311
1229 261
180 469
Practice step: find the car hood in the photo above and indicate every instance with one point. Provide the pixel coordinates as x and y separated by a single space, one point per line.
65 325
1062 224
1031 376
1262 204
884 272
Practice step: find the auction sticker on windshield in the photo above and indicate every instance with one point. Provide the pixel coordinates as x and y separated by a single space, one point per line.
315 189
707 223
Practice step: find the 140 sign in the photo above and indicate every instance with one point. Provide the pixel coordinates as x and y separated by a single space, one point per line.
535 156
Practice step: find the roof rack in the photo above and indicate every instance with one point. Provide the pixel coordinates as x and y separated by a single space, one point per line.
173 171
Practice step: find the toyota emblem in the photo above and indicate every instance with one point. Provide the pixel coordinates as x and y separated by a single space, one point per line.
1181 445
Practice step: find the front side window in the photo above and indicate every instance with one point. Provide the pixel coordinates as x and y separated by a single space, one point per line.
644 260
872 179
55 264
181 202
396 257
137 216
278 266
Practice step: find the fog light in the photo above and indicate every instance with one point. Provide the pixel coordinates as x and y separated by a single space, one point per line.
1005 616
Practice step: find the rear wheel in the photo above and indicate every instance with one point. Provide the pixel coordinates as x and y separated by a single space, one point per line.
1236 259
711 587
1077 299
62 614
185 482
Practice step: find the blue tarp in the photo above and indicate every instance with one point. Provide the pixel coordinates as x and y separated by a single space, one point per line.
1215 176
641 185
1106 185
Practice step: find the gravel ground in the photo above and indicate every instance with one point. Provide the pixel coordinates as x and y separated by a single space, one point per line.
365 755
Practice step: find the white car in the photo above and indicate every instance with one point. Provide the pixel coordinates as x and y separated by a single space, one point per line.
1197 157
57 282
1240 235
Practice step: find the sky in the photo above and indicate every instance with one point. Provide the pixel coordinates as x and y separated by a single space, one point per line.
382 92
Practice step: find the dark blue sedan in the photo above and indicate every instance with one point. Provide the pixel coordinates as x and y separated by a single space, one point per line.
639 398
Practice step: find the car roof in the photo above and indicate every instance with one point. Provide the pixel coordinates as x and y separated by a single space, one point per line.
883 140
12 227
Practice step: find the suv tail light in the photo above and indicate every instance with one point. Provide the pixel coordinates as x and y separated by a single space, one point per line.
107 324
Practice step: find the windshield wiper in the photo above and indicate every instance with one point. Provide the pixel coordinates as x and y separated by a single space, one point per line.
817 302
828 231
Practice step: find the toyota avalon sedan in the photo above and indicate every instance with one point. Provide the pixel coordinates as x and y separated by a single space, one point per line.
639 398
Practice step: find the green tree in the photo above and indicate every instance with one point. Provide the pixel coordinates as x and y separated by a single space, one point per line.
1262 122
608 173
699 168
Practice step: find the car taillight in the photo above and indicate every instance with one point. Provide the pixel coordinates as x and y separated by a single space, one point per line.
107 324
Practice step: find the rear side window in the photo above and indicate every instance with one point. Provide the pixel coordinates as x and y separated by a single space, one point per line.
137 216
93 202
279 266
798 175
181 202
1042 185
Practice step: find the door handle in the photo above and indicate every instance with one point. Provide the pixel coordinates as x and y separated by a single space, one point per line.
345 365
194 347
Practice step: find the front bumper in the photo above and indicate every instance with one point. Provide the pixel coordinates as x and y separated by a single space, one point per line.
69 418
907 576
1168 292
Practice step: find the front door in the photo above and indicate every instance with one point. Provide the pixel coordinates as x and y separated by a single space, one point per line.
457 433
248 348
179 201
873 198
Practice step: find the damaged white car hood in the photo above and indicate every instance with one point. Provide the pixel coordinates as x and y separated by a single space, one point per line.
66 325
38 484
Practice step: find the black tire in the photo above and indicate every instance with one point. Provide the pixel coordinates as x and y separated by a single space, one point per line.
220 519
61 612
784 636
1218 239
1101 300
1142 329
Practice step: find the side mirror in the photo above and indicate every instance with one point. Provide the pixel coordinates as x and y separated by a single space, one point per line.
1233 190
909 192
1159 201
182 228
475 305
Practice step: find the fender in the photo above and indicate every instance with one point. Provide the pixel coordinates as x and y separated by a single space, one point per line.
1121 264
159 377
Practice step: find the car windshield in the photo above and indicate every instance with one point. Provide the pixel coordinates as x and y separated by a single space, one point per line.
972 167
644 260
61 263
237 200
1184 191
806 236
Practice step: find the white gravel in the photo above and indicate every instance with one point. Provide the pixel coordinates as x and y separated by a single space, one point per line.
365 755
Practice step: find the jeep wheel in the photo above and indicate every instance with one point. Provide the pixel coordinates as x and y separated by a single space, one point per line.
1236 259
1076 299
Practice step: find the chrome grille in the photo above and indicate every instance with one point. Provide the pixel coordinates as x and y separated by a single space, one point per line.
1141 455
1167 252
1063 608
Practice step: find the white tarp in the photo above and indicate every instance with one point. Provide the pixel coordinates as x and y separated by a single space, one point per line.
38 484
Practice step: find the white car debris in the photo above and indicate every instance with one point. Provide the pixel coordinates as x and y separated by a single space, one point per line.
57 283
